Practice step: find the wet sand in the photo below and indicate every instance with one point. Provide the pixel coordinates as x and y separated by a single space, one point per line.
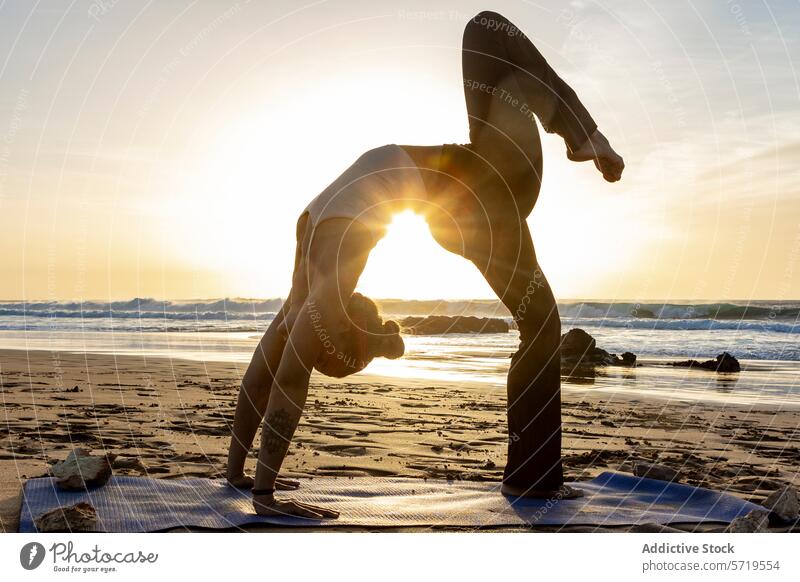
173 416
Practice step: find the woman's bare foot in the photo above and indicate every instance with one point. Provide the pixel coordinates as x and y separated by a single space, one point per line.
246 482
241 481
597 149
267 505
563 492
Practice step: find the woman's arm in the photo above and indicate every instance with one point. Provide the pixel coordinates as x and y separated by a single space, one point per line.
258 379
286 401
252 401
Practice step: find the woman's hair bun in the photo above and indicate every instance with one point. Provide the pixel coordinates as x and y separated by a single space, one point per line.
392 344
391 327
382 338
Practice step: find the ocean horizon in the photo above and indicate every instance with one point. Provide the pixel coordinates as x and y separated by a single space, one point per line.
761 334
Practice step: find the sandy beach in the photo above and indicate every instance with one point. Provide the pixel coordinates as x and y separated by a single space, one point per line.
168 418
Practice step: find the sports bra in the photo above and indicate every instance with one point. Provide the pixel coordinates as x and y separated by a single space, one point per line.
368 191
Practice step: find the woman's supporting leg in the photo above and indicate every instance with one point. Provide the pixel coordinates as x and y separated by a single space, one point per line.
254 395
506 82
534 378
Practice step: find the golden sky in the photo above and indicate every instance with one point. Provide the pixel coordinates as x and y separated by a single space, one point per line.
165 149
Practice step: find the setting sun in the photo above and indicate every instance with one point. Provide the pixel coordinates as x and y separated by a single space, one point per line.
395 271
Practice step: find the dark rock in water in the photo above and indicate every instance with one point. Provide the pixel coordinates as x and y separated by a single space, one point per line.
725 363
577 342
442 324
722 363
81 470
78 517
578 348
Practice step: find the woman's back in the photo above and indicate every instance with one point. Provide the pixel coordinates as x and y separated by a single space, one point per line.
371 190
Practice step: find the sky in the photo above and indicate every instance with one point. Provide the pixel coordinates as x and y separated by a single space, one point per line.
165 148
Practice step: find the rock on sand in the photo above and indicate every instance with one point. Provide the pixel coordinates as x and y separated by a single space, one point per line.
81 470
784 503
756 521
653 471
78 517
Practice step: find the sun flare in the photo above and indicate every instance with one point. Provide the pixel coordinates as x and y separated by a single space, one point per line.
396 269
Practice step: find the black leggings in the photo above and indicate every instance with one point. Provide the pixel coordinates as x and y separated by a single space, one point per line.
497 55
487 188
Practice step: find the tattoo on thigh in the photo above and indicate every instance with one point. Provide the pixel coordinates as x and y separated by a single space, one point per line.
279 429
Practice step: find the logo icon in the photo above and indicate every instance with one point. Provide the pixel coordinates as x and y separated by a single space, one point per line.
31 555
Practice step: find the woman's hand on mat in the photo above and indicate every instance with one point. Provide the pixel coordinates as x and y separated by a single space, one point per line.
267 505
246 482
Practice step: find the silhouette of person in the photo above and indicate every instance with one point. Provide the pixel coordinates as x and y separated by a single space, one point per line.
476 198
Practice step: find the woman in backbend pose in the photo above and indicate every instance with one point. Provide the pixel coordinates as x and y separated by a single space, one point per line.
475 197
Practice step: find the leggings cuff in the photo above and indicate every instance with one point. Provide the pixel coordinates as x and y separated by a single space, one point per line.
576 132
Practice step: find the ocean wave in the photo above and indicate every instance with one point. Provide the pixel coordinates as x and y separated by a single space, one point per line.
683 324
782 312
128 325
144 315
757 310
142 305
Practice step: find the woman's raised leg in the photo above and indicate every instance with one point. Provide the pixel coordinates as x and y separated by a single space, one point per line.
507 81
494 50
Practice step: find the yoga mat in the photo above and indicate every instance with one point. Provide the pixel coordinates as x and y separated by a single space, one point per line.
139 504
